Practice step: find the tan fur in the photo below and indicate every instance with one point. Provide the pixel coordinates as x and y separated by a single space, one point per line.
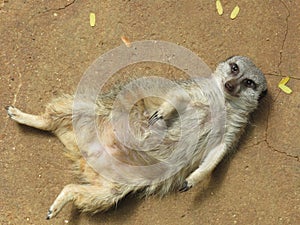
96 193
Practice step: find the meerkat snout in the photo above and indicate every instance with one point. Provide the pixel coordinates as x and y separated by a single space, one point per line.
230 87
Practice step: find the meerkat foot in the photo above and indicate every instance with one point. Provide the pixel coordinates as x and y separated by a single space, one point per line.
88 198
14 113
37 121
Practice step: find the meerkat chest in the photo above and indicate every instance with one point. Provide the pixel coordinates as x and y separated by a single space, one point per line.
234 127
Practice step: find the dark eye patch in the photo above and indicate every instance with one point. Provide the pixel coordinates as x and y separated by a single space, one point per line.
249 83
263 94
234 68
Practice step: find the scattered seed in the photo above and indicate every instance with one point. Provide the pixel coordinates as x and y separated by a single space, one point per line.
235 12
126 41
219 7
92 19
283 87
284 80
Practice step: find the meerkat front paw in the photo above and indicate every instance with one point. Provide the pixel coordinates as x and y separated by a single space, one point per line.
185 186
155 117
49 214
52 212
55 207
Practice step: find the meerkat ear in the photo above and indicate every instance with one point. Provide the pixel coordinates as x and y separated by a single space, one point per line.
263 94
229 58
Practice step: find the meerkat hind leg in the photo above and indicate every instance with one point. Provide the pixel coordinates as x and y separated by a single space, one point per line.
88 198
37 121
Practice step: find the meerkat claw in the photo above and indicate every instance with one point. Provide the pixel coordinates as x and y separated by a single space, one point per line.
185 187
154 118
9 111
49 214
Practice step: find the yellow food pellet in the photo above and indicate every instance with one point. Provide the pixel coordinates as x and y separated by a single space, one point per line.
235 12
92 19
285 89
219 7
284 80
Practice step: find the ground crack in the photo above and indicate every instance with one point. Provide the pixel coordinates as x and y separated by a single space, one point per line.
267 141
285 34
18 89
281 152
2 133
274 149
58 9
278 75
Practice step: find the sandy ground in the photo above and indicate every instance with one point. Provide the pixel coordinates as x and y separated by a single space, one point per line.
47 45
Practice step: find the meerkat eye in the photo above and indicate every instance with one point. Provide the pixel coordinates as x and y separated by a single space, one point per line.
249 83
234 68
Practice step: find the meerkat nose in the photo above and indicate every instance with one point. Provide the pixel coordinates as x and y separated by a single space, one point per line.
229 86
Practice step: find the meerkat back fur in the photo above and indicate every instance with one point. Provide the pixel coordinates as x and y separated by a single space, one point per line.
242 85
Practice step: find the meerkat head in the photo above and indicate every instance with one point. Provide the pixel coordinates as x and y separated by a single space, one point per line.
241 80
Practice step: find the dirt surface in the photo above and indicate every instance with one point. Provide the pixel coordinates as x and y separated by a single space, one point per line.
47 45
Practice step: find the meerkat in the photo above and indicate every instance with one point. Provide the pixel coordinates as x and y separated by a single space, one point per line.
184 113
